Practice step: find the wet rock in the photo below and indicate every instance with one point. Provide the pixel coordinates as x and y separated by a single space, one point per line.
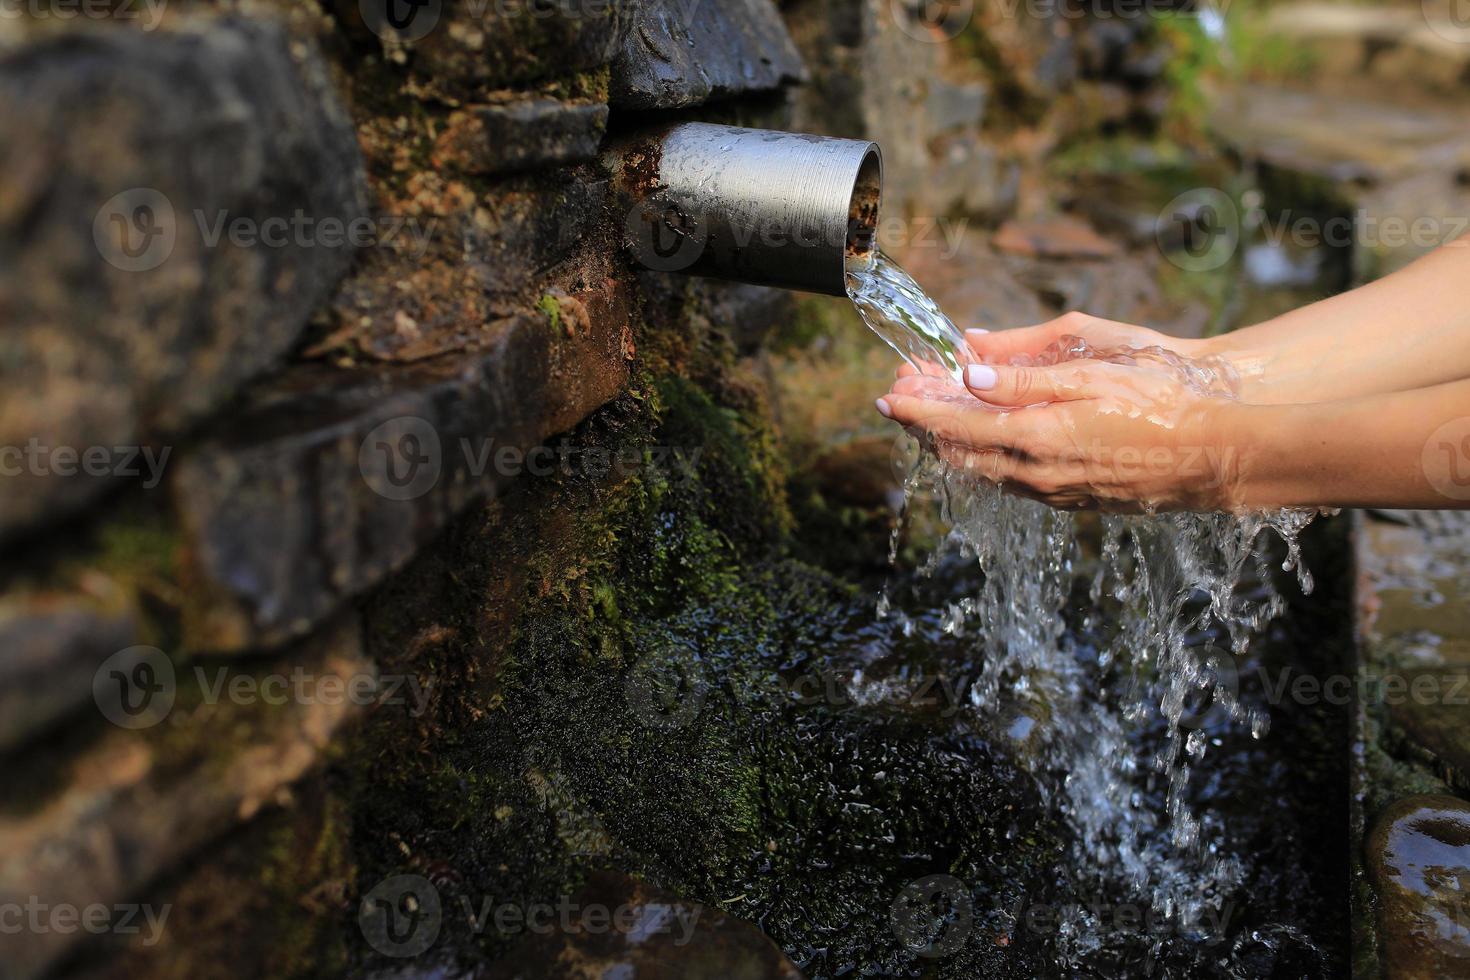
53 646
624 927
471 47
330 479
1431 707
1418 855
683 53
136 803
455 272
1411 591
522 135
173 212
1053 238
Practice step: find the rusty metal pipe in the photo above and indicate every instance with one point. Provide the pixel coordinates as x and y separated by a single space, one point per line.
753 205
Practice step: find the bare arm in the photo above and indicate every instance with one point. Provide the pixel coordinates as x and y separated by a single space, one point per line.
1408 330
1399 449
1087 434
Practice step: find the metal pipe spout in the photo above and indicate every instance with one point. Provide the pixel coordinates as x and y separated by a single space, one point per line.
753 205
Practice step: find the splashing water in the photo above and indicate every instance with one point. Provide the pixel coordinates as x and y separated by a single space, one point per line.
900 312
1165 586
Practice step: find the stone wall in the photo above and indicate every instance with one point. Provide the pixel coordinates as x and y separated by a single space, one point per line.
292 298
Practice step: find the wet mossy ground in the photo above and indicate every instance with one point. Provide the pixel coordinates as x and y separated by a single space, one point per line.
617 664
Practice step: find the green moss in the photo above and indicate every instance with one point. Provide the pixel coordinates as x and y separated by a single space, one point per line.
590 86
299 870
641 718
549 305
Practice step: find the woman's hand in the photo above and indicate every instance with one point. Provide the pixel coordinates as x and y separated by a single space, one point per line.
1081 435
1007 346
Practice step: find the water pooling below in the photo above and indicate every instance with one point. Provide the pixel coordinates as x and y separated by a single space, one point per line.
1124 676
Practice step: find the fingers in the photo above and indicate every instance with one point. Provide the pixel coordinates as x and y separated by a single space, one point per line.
1000 346
1083 380
960 422
935 389
1021 386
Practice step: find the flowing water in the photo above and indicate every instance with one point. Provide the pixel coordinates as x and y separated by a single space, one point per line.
1173 604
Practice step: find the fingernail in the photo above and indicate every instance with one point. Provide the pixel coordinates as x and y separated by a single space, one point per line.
981 377
884 409
976 332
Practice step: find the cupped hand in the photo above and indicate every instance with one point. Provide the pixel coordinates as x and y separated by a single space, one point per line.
1081 435
1022 343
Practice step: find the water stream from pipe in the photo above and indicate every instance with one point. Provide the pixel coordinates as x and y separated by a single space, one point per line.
1175 598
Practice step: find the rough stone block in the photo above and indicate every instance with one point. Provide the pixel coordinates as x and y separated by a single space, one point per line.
473 267
523 135
329 480
136 803
50 648
1418 858
683 53
172 213
486 44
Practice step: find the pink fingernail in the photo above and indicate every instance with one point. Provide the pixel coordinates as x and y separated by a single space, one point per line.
884 409
981 377
976 332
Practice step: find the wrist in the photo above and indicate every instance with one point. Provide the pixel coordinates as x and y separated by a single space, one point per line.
1266 455
1248 363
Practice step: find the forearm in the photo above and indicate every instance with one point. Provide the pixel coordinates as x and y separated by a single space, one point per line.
1408 330
1402 449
